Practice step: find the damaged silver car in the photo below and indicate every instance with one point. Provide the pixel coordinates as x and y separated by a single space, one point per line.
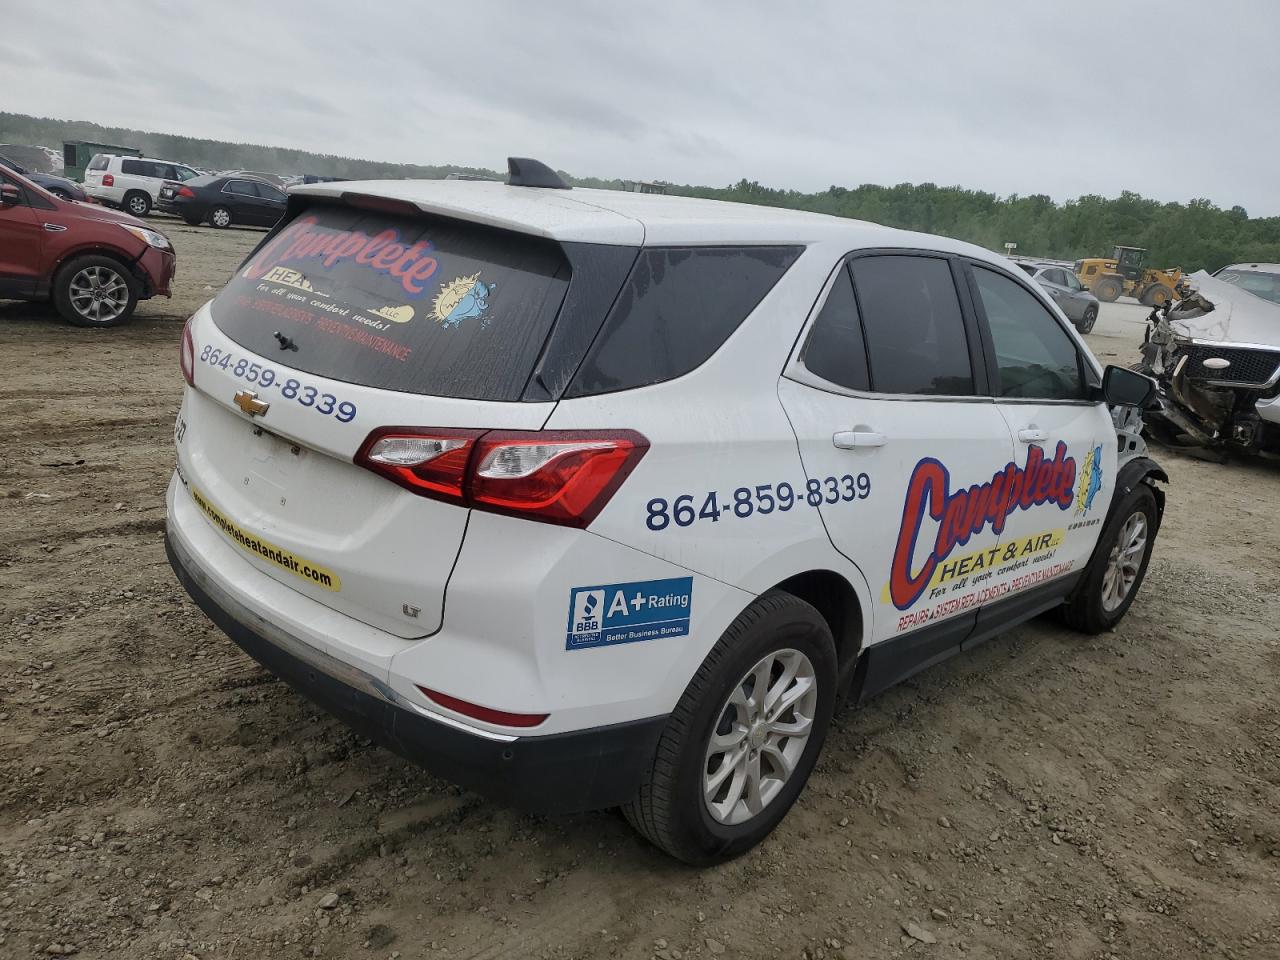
1216 356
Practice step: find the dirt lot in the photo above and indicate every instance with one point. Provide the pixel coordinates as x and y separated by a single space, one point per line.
162 796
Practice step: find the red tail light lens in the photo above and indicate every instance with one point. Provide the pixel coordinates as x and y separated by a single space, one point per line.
185 192
108 180
187 355
432 463
560 476
556 476
487 714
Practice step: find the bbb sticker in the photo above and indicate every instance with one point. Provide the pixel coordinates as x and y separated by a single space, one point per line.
614 613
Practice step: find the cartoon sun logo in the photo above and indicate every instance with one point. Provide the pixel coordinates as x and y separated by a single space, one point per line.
1090 480
461 299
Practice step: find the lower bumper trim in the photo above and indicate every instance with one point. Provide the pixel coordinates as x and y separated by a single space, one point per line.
559 773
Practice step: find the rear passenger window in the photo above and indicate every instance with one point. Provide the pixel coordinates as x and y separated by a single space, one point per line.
135 168
242 187
834 350
677 307
915 336
1036 357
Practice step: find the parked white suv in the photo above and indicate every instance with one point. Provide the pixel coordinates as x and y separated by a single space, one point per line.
131 183
589 498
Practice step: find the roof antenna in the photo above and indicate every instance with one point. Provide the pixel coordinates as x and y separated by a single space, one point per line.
524 172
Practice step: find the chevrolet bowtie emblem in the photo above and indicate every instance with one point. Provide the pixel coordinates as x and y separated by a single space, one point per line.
248 401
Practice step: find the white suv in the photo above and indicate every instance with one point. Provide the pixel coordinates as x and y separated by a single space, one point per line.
588 498
131 183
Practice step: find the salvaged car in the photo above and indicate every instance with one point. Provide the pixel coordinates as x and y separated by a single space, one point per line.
1216 356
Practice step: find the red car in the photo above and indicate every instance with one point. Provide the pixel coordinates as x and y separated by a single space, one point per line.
95 264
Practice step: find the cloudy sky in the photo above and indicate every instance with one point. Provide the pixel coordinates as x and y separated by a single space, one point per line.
1174 99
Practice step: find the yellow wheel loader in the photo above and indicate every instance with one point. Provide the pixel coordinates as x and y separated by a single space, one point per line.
1124 275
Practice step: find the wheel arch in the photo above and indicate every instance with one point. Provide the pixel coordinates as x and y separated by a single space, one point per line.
113 253
837 600
1139 470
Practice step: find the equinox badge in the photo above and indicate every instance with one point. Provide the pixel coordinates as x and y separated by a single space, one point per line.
248 401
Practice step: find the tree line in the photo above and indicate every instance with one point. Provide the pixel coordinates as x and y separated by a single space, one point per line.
1194 235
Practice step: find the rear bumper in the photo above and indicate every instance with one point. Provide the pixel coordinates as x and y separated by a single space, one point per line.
560 773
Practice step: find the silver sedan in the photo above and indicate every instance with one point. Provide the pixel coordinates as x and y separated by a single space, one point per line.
1080 306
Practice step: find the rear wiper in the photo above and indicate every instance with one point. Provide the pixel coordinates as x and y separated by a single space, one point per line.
285 342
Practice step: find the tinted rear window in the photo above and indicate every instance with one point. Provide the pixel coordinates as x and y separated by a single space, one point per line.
99 161
676 309
420 305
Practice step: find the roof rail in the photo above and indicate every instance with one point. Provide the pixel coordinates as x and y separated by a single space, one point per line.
524 172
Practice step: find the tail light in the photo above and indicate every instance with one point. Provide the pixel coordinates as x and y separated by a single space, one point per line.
556 476
185 192
108 180
187 355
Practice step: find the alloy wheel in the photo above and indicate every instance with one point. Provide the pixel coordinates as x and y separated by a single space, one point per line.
221 218
99 294
1124 562
137 206
760 736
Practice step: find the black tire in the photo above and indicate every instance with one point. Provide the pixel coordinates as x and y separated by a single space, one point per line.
1087 610
1108 289
73 305
1088 320
1156 295
669 810
137 202
220 217
192 221
61 194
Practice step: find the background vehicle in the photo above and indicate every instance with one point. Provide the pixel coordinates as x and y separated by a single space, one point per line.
1080 306
1216 356
1260 279
222 201
677 504
60 187
131 183
94 264
1124 275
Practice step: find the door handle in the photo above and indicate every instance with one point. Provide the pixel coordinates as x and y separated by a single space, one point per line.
855 439
1033 435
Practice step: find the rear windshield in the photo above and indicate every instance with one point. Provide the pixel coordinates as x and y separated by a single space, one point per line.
414 304
99 162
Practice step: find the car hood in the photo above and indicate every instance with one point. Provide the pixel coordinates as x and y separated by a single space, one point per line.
107 215
1221 312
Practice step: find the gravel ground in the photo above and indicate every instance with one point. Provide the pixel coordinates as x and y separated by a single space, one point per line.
162 796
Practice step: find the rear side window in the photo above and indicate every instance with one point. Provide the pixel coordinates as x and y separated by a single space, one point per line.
676 309
834 350
99 161
242 187
915 333
135 168
416 304
1036 357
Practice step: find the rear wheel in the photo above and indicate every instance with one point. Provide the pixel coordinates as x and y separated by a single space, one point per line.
220 217
1088 320
95 291
1157 295
739 746
1119 565
1108 289
137 203
192 221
